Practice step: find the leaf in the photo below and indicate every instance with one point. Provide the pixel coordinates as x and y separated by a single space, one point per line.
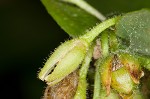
134 27
71 19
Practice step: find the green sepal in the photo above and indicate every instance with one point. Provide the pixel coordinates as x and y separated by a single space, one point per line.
70 53
132 65
59 53
105 72
121 81
68 64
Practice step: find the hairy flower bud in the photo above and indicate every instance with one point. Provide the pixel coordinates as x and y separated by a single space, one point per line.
63 61
121 81
121 72
132 65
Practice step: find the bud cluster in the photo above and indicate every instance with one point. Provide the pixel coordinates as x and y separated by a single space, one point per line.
120 72
117 74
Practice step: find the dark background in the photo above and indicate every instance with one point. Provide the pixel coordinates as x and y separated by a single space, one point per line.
28 35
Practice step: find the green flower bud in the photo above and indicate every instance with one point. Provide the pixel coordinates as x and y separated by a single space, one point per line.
63 61
121 72
132 65
121 81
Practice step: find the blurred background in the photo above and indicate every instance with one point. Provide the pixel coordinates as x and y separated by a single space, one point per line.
28 35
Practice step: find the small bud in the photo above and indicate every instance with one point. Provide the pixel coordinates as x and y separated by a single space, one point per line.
121 81
121 72
127 75
132 65
63 61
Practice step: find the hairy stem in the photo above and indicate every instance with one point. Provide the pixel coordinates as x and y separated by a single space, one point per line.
82 84
97 82
104 44
91 34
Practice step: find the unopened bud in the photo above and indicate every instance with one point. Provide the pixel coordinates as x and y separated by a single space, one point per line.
63 61
132 65
121 72
121 81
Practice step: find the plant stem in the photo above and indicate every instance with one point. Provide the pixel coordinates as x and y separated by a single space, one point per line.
82 84
104 43
88 8
97 82
113 42
91 34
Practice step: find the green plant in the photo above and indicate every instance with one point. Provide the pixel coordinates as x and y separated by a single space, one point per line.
119 47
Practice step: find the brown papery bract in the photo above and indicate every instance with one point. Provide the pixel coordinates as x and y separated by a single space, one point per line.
65 89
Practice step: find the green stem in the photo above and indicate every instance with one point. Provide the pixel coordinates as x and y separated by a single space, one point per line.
105 52
97 82
88 8
90 35
104 44
113 42
82 84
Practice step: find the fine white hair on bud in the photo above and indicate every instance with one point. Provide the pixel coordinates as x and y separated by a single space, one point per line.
66 58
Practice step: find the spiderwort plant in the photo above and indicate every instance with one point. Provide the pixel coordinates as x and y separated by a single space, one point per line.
123 49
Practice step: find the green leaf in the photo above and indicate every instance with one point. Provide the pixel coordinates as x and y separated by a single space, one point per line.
134 27
72 19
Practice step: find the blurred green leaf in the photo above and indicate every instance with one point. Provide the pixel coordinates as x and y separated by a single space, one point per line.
135 28
72 19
